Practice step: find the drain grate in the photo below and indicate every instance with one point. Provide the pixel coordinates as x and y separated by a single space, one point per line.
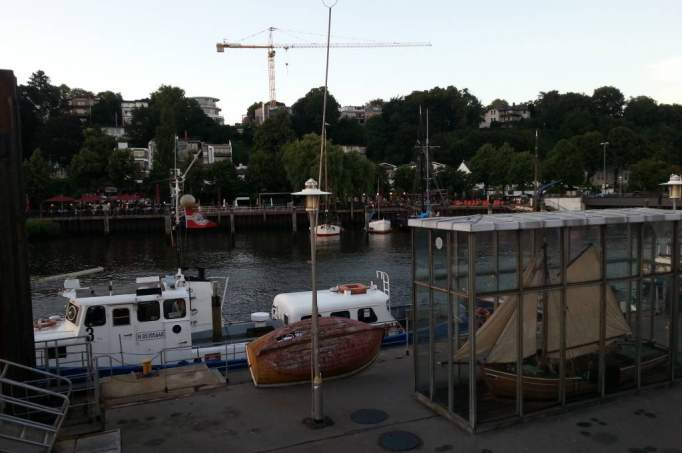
399 441
368 416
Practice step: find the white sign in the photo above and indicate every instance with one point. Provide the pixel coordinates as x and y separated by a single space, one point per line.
154 335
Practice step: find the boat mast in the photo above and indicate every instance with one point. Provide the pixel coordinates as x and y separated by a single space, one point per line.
324 183
428 165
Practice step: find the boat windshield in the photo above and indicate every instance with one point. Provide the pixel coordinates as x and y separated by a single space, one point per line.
72 312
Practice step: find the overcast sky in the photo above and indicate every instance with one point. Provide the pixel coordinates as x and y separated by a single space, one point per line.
506 49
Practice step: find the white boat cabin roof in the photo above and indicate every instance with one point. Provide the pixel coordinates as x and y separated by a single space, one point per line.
131 298
298 304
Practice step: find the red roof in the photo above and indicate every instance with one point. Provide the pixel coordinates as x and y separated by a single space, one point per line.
60 199
90 198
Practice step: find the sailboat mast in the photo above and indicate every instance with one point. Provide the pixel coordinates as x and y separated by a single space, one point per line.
428 166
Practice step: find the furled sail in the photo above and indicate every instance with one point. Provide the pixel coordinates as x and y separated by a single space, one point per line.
496 339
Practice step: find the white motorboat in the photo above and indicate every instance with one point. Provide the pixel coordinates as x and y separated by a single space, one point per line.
328 229
165 320
381 226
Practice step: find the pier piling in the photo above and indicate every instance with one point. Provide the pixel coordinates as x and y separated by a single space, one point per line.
16 312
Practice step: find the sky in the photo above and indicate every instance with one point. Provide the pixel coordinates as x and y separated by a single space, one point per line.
496 49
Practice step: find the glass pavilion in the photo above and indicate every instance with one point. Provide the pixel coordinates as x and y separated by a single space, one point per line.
527 313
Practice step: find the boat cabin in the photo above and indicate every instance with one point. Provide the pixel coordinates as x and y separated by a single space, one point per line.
561 308
362 303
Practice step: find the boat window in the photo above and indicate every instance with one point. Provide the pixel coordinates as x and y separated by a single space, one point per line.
367 315
72 313
174 308
120 316
340 314
95 316
148 311
286 320
309 317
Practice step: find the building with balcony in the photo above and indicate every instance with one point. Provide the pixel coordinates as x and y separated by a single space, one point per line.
359 113
143 157
81 105
127 108
208 105
504 116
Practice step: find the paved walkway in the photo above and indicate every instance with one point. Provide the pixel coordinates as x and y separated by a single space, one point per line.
242 418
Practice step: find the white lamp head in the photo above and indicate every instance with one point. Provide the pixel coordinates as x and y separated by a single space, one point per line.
674 186
312 195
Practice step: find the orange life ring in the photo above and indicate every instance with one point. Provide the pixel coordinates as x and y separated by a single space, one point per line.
354 288
43 323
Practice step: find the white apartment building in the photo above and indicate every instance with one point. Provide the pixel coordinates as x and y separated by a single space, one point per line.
127 108
504 115
359 113
208 105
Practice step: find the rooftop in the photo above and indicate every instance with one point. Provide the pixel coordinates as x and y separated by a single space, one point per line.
533 220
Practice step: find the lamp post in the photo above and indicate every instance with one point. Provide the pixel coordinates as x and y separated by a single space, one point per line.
674 189
312 205
603 187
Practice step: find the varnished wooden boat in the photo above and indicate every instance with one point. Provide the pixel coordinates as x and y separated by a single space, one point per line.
282 357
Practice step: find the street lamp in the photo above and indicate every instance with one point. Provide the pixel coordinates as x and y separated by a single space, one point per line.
312 205
604 145
674 189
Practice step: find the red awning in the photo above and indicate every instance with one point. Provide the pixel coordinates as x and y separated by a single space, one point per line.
125 197
90 198
60 199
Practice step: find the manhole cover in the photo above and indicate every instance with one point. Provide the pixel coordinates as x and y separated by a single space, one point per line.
368 416
399 441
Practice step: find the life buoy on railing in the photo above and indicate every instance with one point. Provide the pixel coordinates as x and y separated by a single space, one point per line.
354 288
43 323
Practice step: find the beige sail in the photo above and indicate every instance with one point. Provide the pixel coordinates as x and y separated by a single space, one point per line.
496 339
582 311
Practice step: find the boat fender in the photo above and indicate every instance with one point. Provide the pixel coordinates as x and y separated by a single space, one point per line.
353 288
43 323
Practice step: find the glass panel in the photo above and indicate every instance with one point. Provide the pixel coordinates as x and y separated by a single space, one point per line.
460 261
620 356
619 250
496 391
678 361
507 247
460 367
439 249
421 254
657 247
581 241
486 262
538 245
655 323
421 343
441 350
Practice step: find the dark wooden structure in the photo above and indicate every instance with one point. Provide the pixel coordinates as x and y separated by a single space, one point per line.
16 314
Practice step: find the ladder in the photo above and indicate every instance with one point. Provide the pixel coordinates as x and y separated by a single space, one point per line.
385 286
30 414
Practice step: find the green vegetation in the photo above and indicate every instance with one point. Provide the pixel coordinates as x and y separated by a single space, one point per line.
645 138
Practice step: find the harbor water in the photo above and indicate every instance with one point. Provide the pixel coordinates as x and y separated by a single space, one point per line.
259 264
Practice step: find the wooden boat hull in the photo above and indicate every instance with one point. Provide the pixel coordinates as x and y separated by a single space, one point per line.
503 384
283 357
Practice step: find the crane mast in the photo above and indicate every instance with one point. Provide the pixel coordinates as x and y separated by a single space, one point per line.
270 46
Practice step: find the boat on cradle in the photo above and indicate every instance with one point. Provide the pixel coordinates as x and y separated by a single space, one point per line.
381 226
495 339
327 229
168 321
356 301
283 356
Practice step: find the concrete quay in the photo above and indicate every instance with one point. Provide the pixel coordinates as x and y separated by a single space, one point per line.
241 418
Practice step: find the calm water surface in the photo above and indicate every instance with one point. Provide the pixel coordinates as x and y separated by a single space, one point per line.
260 264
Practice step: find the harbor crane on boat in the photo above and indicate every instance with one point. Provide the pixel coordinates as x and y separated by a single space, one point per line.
271 45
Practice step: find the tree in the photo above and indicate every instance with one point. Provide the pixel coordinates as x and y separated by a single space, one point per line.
625 147
301 159
274 133
490 165
107 110
348 132
405 179
88 168
36 177
520 171
307 112
499 104
608 101
590 149
641 111
454 181
265 172
60 138
46 99
648 174
563 164
122 171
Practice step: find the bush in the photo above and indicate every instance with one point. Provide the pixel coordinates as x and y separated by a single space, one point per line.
42 229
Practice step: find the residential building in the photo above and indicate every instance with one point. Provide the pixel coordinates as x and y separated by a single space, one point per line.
354 149
81 105
127 108
504 116
389 169
143 157
208 105
211 152
266 110
359 113
464 168
116 132
241 171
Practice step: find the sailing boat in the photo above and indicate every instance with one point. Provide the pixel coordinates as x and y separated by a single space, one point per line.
326 228
496 338
379 226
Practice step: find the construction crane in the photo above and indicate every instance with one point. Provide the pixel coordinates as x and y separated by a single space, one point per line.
271 46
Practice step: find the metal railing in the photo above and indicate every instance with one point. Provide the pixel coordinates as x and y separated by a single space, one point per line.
31 414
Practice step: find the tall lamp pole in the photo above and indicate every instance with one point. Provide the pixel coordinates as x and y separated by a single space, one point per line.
674 185
603 187
312 205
